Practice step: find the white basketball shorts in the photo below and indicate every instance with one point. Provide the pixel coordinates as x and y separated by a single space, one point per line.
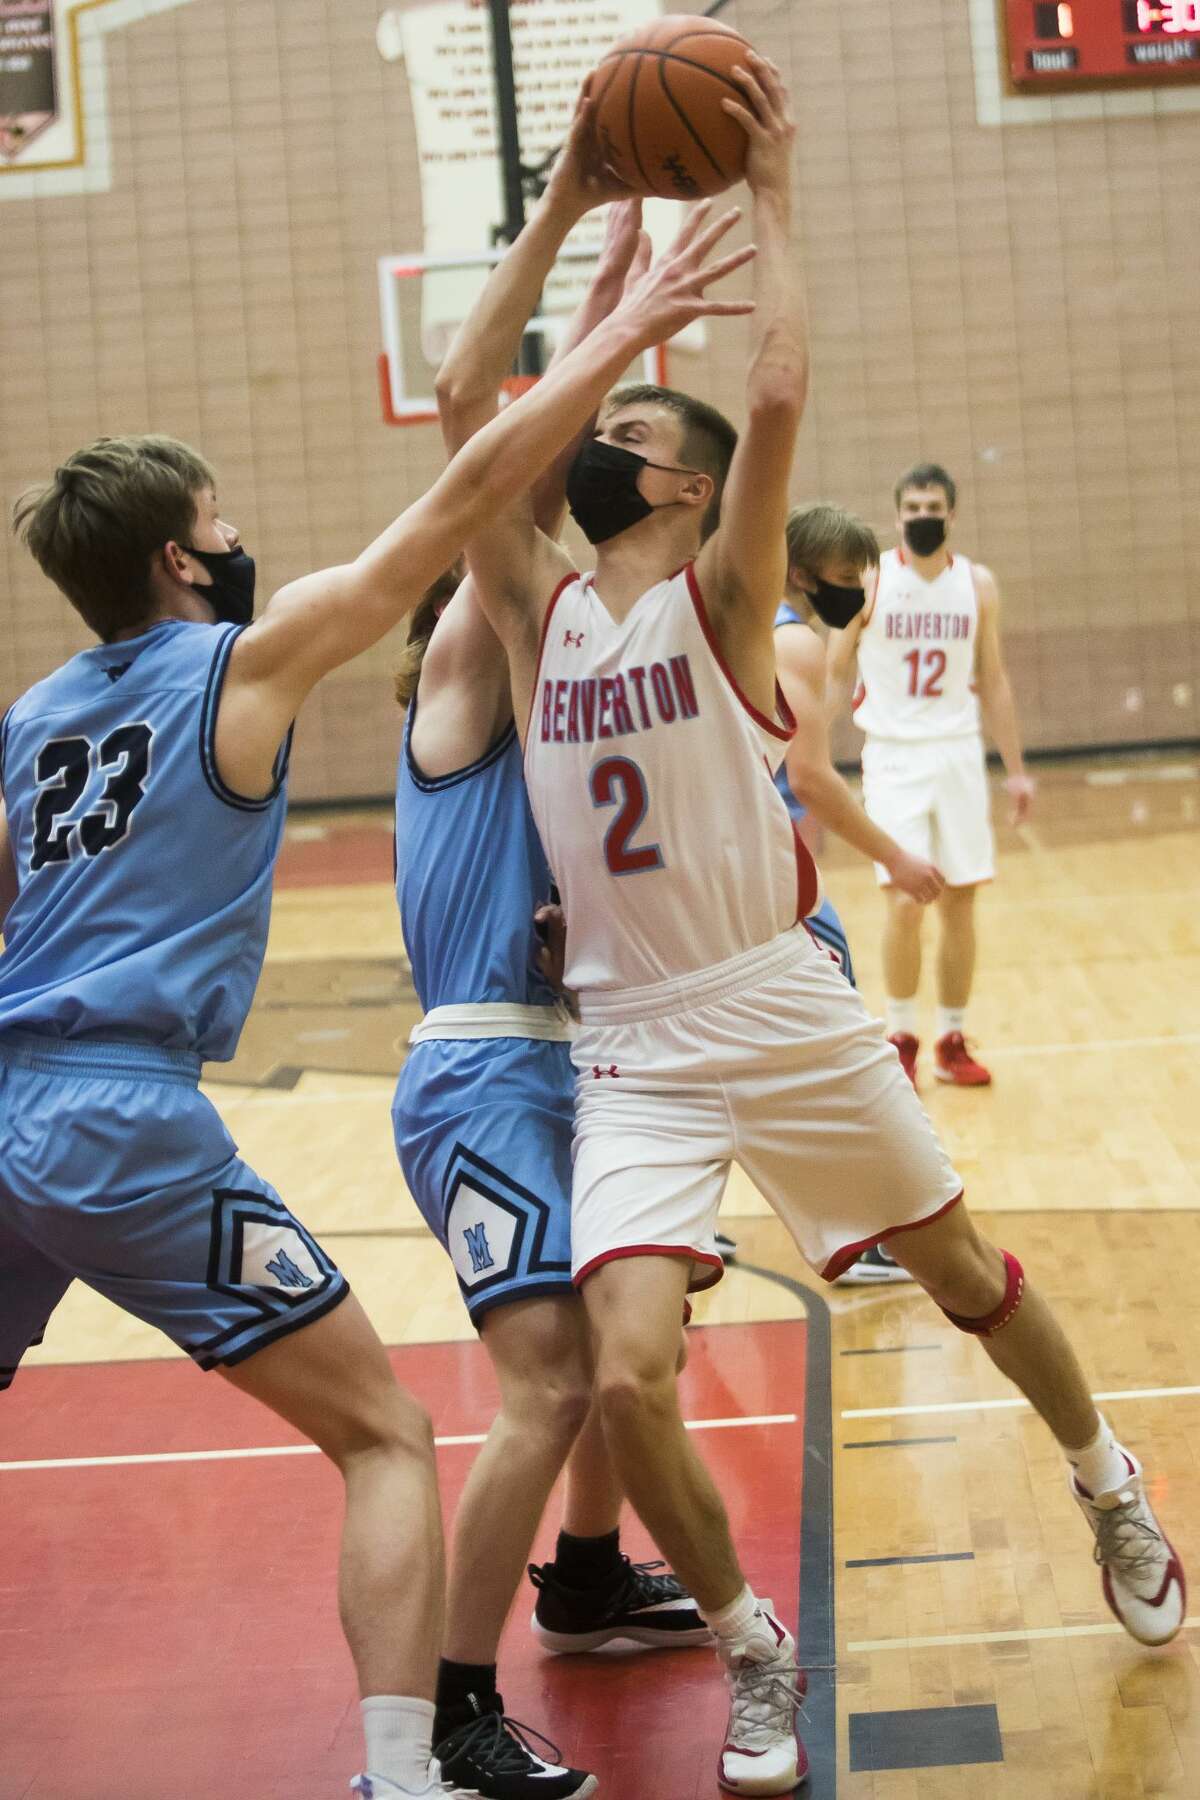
770 1060
932 797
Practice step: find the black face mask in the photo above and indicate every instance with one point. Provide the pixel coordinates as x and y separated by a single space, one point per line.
924 536
231 595
603 492
836 606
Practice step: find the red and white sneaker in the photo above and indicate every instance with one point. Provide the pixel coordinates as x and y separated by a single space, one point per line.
1144 1582
906 1047
761 1753
953 1062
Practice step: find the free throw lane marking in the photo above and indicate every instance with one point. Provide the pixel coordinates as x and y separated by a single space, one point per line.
1010 1404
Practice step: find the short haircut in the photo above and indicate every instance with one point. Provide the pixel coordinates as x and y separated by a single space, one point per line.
709 440
819 534
95 525
927 475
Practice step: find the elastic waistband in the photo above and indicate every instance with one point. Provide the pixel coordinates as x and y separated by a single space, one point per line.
92 1056
494 1019
703 987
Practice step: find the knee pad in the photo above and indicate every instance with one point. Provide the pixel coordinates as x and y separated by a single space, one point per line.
1014 1291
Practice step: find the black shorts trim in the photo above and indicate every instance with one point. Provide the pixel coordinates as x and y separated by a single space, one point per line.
532 1290
281 1329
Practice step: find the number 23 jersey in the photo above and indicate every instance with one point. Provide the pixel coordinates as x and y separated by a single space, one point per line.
651 778
144 884
916 653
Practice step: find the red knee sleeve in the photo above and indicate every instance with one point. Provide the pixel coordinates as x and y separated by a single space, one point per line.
1014 1289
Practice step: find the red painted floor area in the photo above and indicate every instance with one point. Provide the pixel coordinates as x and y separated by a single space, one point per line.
343 853
169 1631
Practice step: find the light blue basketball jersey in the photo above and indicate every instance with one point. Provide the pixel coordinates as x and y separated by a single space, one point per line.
786 614
470 870
145 884
824 923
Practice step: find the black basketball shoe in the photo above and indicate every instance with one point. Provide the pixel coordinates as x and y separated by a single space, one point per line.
491 1755
637 1604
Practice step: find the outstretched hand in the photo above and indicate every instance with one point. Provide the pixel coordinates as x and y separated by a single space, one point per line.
673 291
582 175
625 252
766 119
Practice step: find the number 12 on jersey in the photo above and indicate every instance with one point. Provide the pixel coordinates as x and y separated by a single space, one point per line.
935 667
617 781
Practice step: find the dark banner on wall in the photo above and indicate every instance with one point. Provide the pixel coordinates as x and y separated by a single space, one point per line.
28 100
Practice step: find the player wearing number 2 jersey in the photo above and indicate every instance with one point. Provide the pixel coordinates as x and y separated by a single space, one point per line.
712 1026
928 649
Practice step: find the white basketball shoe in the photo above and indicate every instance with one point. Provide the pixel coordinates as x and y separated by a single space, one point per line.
1144 1582
762 1753
376 1787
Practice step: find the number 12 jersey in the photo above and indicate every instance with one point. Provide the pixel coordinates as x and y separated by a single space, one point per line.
651 778
916 654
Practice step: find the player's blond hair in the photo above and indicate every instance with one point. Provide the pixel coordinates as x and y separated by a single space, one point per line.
421 622
94 526
820 534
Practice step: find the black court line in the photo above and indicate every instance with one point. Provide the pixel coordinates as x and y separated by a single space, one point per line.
892 1350
895 1443
816 1648
894 1562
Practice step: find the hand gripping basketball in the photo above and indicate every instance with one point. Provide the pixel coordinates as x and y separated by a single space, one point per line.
672 291
767 122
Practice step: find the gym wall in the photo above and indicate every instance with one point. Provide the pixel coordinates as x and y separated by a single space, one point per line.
1017 302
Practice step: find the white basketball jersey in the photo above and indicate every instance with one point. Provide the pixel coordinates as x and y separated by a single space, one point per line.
916 653
651 779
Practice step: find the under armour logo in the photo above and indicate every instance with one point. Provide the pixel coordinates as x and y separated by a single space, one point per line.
114 671
598 1073
573 637
479 1248
286 1273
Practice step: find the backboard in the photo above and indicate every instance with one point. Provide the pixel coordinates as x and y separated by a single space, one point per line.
424 299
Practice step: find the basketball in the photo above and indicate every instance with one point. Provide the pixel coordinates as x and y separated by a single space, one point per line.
658 95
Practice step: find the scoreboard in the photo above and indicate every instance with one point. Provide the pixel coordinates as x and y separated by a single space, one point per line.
1084 43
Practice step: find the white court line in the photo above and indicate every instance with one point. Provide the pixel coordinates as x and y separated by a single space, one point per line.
961 1406
1094 1045
442 1443
1038 1635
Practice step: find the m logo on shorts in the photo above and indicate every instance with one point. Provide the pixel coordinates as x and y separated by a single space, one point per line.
286 1273
477 1248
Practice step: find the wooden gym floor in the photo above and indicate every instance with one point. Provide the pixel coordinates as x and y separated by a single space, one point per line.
168 1629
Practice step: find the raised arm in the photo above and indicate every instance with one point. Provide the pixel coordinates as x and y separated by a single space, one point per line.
812 777
487 345
743 568
996 696
314 624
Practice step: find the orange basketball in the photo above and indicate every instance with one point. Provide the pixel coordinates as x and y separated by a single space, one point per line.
658 99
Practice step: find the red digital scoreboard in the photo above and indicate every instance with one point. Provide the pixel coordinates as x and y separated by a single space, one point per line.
1085 43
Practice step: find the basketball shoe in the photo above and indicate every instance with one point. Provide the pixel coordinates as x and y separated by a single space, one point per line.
953 1062
1144 1582
762 1753
906 1047
638 1605
491 1755
375 1787
872 1268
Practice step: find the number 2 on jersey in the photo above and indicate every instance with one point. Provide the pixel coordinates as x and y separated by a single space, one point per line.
618 781
935 666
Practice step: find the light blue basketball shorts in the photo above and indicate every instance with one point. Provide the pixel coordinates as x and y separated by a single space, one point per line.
483 1132
119 1173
